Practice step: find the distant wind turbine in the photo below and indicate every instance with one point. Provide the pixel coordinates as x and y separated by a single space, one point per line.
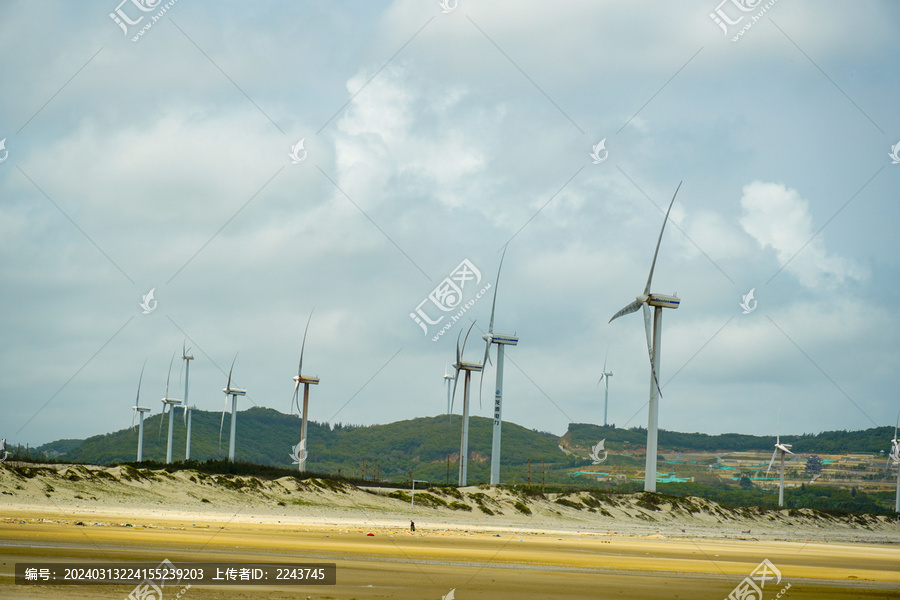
447 379
300 452
783 449
234 393
468 367
501 340
139 410
187 409
894 457
605 375
659 302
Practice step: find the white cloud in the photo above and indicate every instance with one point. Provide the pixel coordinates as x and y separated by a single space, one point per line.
777 217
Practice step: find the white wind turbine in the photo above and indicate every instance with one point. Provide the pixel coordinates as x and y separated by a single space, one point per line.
468 367
659 302
139 410
169 405
447 379
605 375
234 393
894 457
501 340
783 449
300 452
188 410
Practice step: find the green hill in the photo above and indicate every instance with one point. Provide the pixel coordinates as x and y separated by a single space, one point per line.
423 446
266 436
584 435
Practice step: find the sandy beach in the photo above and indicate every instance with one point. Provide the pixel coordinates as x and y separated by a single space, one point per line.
555 551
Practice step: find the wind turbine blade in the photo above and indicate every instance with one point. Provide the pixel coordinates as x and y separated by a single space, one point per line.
656 252
170 374
296 399
184 414
453 395
897 425
778 428
604 359
647 330
627 310
133 415
465 339
228 385
487 351
480 385
496 284
222 422
303 345
137 400
456 377
771 462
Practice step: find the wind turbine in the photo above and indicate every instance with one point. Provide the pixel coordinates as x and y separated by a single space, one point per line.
658 302
139 410
501 340
170 404
894 457
447 379
605 375
187 409
234 393
784 449
468 367
300 452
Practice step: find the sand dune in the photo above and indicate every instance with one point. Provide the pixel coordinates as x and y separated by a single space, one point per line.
623 547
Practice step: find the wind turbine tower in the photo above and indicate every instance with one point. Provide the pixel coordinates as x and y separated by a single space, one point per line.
187 409
169 404
306 381
447 379
501 340
188 413
468 367
234 393
658 302
139 410
783 449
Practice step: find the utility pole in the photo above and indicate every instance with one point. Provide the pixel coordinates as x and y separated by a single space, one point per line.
364 470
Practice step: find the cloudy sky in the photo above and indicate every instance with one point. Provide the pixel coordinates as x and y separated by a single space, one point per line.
162 161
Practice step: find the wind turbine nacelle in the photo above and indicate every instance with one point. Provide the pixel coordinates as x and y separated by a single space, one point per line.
234 392
141 408
509 340
307 380
664 301
467 366
172 401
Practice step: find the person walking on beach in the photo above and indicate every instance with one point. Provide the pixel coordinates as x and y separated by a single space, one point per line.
412 526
